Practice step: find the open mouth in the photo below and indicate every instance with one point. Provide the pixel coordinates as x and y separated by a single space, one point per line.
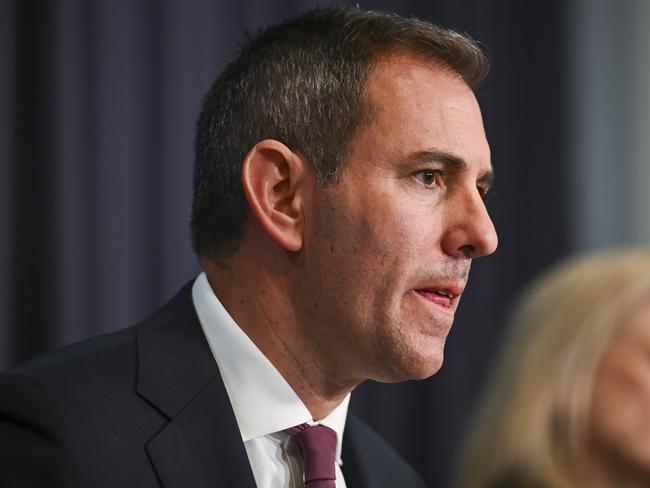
444 298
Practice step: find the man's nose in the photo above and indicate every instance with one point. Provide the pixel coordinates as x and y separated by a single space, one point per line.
470 232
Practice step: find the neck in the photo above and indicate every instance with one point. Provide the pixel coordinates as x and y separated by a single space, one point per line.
254 289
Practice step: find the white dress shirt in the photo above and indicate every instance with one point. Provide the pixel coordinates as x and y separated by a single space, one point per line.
263 402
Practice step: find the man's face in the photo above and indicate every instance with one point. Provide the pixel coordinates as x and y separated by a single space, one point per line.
388 248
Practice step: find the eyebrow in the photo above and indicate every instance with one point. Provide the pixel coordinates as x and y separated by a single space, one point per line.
449 159
432 156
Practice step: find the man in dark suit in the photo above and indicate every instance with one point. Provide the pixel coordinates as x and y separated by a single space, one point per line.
341 166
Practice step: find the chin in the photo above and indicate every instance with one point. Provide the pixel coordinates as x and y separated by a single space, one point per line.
426 369
418 365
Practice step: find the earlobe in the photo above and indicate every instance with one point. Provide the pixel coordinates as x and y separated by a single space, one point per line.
273 176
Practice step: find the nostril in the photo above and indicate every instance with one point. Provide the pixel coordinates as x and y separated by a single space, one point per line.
468 250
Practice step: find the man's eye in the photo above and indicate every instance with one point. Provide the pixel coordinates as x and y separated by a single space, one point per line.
484 192
429 177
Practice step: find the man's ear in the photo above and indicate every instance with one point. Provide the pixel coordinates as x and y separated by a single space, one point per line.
273 177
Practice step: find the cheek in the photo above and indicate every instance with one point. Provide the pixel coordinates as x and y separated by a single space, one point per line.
621 410
366 251
368 239
401 229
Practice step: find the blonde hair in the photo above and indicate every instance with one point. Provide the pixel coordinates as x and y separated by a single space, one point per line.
533 420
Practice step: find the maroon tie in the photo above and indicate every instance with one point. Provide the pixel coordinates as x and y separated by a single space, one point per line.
318 445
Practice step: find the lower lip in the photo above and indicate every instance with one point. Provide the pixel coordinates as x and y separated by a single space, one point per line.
440 302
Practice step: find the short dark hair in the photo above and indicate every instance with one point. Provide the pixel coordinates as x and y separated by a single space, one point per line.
302 83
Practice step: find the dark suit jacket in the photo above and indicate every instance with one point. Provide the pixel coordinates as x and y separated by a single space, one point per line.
146 407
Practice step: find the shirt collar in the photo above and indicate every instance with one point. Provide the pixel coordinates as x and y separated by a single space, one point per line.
261 398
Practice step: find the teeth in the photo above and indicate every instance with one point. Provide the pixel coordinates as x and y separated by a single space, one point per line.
444 292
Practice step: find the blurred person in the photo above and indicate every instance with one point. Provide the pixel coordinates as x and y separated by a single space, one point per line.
340 175
568 404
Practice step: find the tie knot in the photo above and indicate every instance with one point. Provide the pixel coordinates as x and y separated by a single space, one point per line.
318 445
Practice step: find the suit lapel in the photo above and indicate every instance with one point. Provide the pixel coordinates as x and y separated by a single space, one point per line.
201 445
355 466
358 457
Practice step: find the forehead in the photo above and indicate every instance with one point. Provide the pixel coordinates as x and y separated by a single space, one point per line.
418 105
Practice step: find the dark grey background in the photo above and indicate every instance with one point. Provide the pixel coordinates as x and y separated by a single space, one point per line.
98 102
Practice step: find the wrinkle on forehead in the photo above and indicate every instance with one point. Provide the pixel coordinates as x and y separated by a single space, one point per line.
416 82
425 101
411 71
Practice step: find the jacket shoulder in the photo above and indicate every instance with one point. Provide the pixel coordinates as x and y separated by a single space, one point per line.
98 359
75 413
